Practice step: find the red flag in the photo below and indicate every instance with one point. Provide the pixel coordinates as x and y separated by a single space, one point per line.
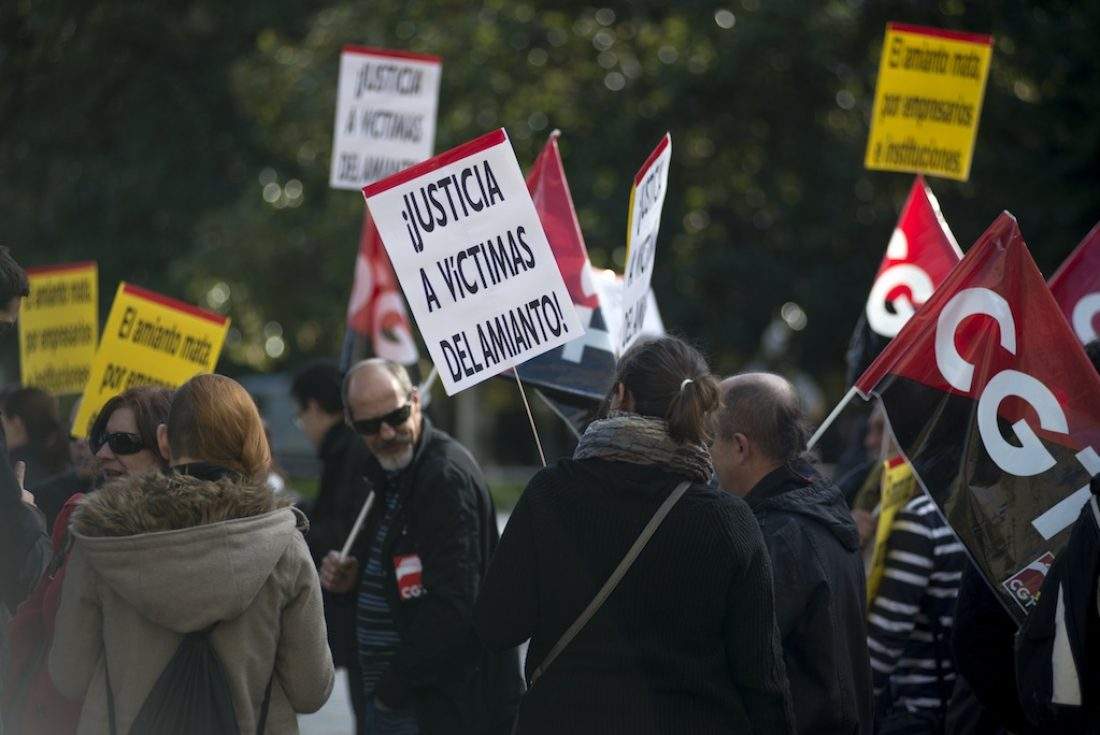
581 370
921 252
376 309
1076 287
550 193
997 408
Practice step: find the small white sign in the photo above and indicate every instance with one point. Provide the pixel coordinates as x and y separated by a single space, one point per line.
385 114
647 198
473 260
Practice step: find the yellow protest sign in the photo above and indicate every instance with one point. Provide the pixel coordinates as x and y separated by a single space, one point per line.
928 100
149 339
899 486
58 327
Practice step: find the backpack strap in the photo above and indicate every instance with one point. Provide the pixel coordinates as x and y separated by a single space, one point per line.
261 723
110 696
612 581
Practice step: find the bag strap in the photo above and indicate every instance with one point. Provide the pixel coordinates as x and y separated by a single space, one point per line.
612 581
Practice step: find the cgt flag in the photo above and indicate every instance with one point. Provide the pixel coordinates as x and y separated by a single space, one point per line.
922 251
579 372
997 409
375 308
1076 287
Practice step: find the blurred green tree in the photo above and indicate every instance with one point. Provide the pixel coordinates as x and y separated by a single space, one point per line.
186 146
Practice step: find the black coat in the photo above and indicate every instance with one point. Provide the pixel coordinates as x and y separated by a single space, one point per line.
820 599
982 646
340 495
446 520
1071 584
24 541
686 643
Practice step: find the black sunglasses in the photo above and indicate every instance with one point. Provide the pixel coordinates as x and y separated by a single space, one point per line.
120 442
396 417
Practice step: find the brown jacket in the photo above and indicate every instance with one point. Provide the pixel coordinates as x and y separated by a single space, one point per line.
160 555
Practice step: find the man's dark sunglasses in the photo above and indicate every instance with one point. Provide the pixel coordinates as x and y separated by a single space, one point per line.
120 442
396 417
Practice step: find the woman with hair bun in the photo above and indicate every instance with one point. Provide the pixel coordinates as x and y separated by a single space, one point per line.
664 630
201 552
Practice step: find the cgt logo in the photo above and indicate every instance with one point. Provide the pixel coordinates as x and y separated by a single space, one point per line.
1029 457
885 316
409 572
1024 586
1084 315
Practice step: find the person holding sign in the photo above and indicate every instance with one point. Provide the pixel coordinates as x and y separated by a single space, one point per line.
681 636
416 569
198 561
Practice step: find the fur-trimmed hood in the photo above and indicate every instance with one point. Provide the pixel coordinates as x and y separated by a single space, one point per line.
185 552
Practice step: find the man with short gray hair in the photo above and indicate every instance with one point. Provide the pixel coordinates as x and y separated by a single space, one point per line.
416 570
820 588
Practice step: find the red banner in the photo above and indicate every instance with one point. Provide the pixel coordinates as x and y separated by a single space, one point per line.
580 371
992 399
376 308
1076 287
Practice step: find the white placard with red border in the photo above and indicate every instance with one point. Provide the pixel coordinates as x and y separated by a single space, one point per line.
472 258
386 106
647 198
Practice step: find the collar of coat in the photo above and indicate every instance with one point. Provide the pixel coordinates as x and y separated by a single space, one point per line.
157 501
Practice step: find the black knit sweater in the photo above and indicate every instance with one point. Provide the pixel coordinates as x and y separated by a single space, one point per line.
687 643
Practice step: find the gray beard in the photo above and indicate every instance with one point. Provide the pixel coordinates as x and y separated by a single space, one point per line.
395 462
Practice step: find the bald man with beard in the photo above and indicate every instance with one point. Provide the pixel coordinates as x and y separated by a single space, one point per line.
820 588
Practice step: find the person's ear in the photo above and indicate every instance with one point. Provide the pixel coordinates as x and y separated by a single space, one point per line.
162 442
741 443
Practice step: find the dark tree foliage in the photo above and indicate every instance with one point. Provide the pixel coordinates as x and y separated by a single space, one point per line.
185 146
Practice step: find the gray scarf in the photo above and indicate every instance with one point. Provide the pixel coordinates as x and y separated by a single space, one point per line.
628 437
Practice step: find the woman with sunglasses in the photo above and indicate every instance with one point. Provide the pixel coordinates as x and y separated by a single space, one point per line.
202 554
123 439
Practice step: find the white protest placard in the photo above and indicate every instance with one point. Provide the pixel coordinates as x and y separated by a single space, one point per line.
473 260
385 114
647 198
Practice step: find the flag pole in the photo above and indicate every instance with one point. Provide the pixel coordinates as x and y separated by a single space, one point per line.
357 527
852 392
530 416
429 381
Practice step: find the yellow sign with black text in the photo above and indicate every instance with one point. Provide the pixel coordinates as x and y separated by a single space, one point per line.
58 327
149 339
928 100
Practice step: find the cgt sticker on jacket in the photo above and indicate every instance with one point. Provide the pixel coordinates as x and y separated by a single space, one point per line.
409 571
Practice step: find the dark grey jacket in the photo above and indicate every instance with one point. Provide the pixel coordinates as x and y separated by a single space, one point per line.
1059 684
820 599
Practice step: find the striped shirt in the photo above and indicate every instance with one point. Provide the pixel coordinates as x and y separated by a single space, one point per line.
924 565
375 627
